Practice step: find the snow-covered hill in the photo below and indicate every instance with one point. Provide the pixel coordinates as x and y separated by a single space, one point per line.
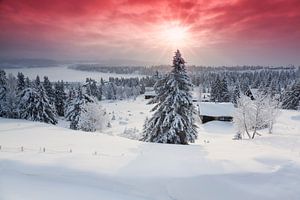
41 161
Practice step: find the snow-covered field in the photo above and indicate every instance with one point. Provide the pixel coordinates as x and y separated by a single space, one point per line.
65 73
59 163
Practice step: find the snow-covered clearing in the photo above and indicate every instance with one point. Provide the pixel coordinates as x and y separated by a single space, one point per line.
65 73
80 165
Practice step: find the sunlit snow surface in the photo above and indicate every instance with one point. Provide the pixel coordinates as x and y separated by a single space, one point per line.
80 165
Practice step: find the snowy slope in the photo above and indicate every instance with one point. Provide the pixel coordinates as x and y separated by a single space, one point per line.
106 166
64 73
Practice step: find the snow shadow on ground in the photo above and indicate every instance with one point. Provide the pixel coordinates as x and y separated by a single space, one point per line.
52 182
217 127
296 117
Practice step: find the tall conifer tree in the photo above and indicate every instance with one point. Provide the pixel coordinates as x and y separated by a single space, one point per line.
173 120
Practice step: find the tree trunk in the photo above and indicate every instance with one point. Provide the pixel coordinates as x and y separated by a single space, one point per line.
182 137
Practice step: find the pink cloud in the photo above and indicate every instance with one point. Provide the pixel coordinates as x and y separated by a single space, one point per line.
52 25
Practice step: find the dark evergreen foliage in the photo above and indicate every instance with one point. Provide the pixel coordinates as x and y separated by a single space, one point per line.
59 98
291 99
173 120
219 91
34 104
21 85
49 89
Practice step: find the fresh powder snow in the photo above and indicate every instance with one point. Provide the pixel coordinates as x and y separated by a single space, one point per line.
42 161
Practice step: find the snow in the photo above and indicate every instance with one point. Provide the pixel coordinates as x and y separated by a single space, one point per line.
65 73
107 166
216 109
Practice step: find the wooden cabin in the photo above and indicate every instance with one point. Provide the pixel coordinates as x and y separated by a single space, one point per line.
149 93
210 111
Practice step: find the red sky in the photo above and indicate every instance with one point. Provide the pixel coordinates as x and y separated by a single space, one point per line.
216 32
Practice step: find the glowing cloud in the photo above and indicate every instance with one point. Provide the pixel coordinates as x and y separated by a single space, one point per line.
207 32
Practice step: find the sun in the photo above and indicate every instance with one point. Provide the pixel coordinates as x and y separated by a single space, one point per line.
168 36
174 34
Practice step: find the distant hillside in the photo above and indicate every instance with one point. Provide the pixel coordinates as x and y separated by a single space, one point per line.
27 63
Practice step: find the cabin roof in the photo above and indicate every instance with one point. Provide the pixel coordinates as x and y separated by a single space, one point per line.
216 109
150 93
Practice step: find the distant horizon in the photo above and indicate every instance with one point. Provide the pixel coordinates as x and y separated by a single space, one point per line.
125 62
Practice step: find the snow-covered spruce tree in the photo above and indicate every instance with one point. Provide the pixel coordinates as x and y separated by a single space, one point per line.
75 108
173 120
291 97
91 88
34 104
10 100
111 91
3 81
27 82
59 98
236 94
49 89
21 82
99 92
215 94
93 118
225 97
219 90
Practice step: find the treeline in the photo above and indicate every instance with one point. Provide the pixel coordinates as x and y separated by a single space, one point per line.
192 69
253 76
114 69
288 95
45 101
281 78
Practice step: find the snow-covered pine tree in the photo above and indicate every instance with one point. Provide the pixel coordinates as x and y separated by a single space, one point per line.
70 97
219 90
215 94
173 120
291 97
101 88
91 87
3 81
34 104
75 108
99 92
236 94
59 98
225 97
27 82
113 90
49 90
143 88
21 82
9 100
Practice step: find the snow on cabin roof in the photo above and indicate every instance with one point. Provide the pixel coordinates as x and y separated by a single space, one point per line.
151 93
216 109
